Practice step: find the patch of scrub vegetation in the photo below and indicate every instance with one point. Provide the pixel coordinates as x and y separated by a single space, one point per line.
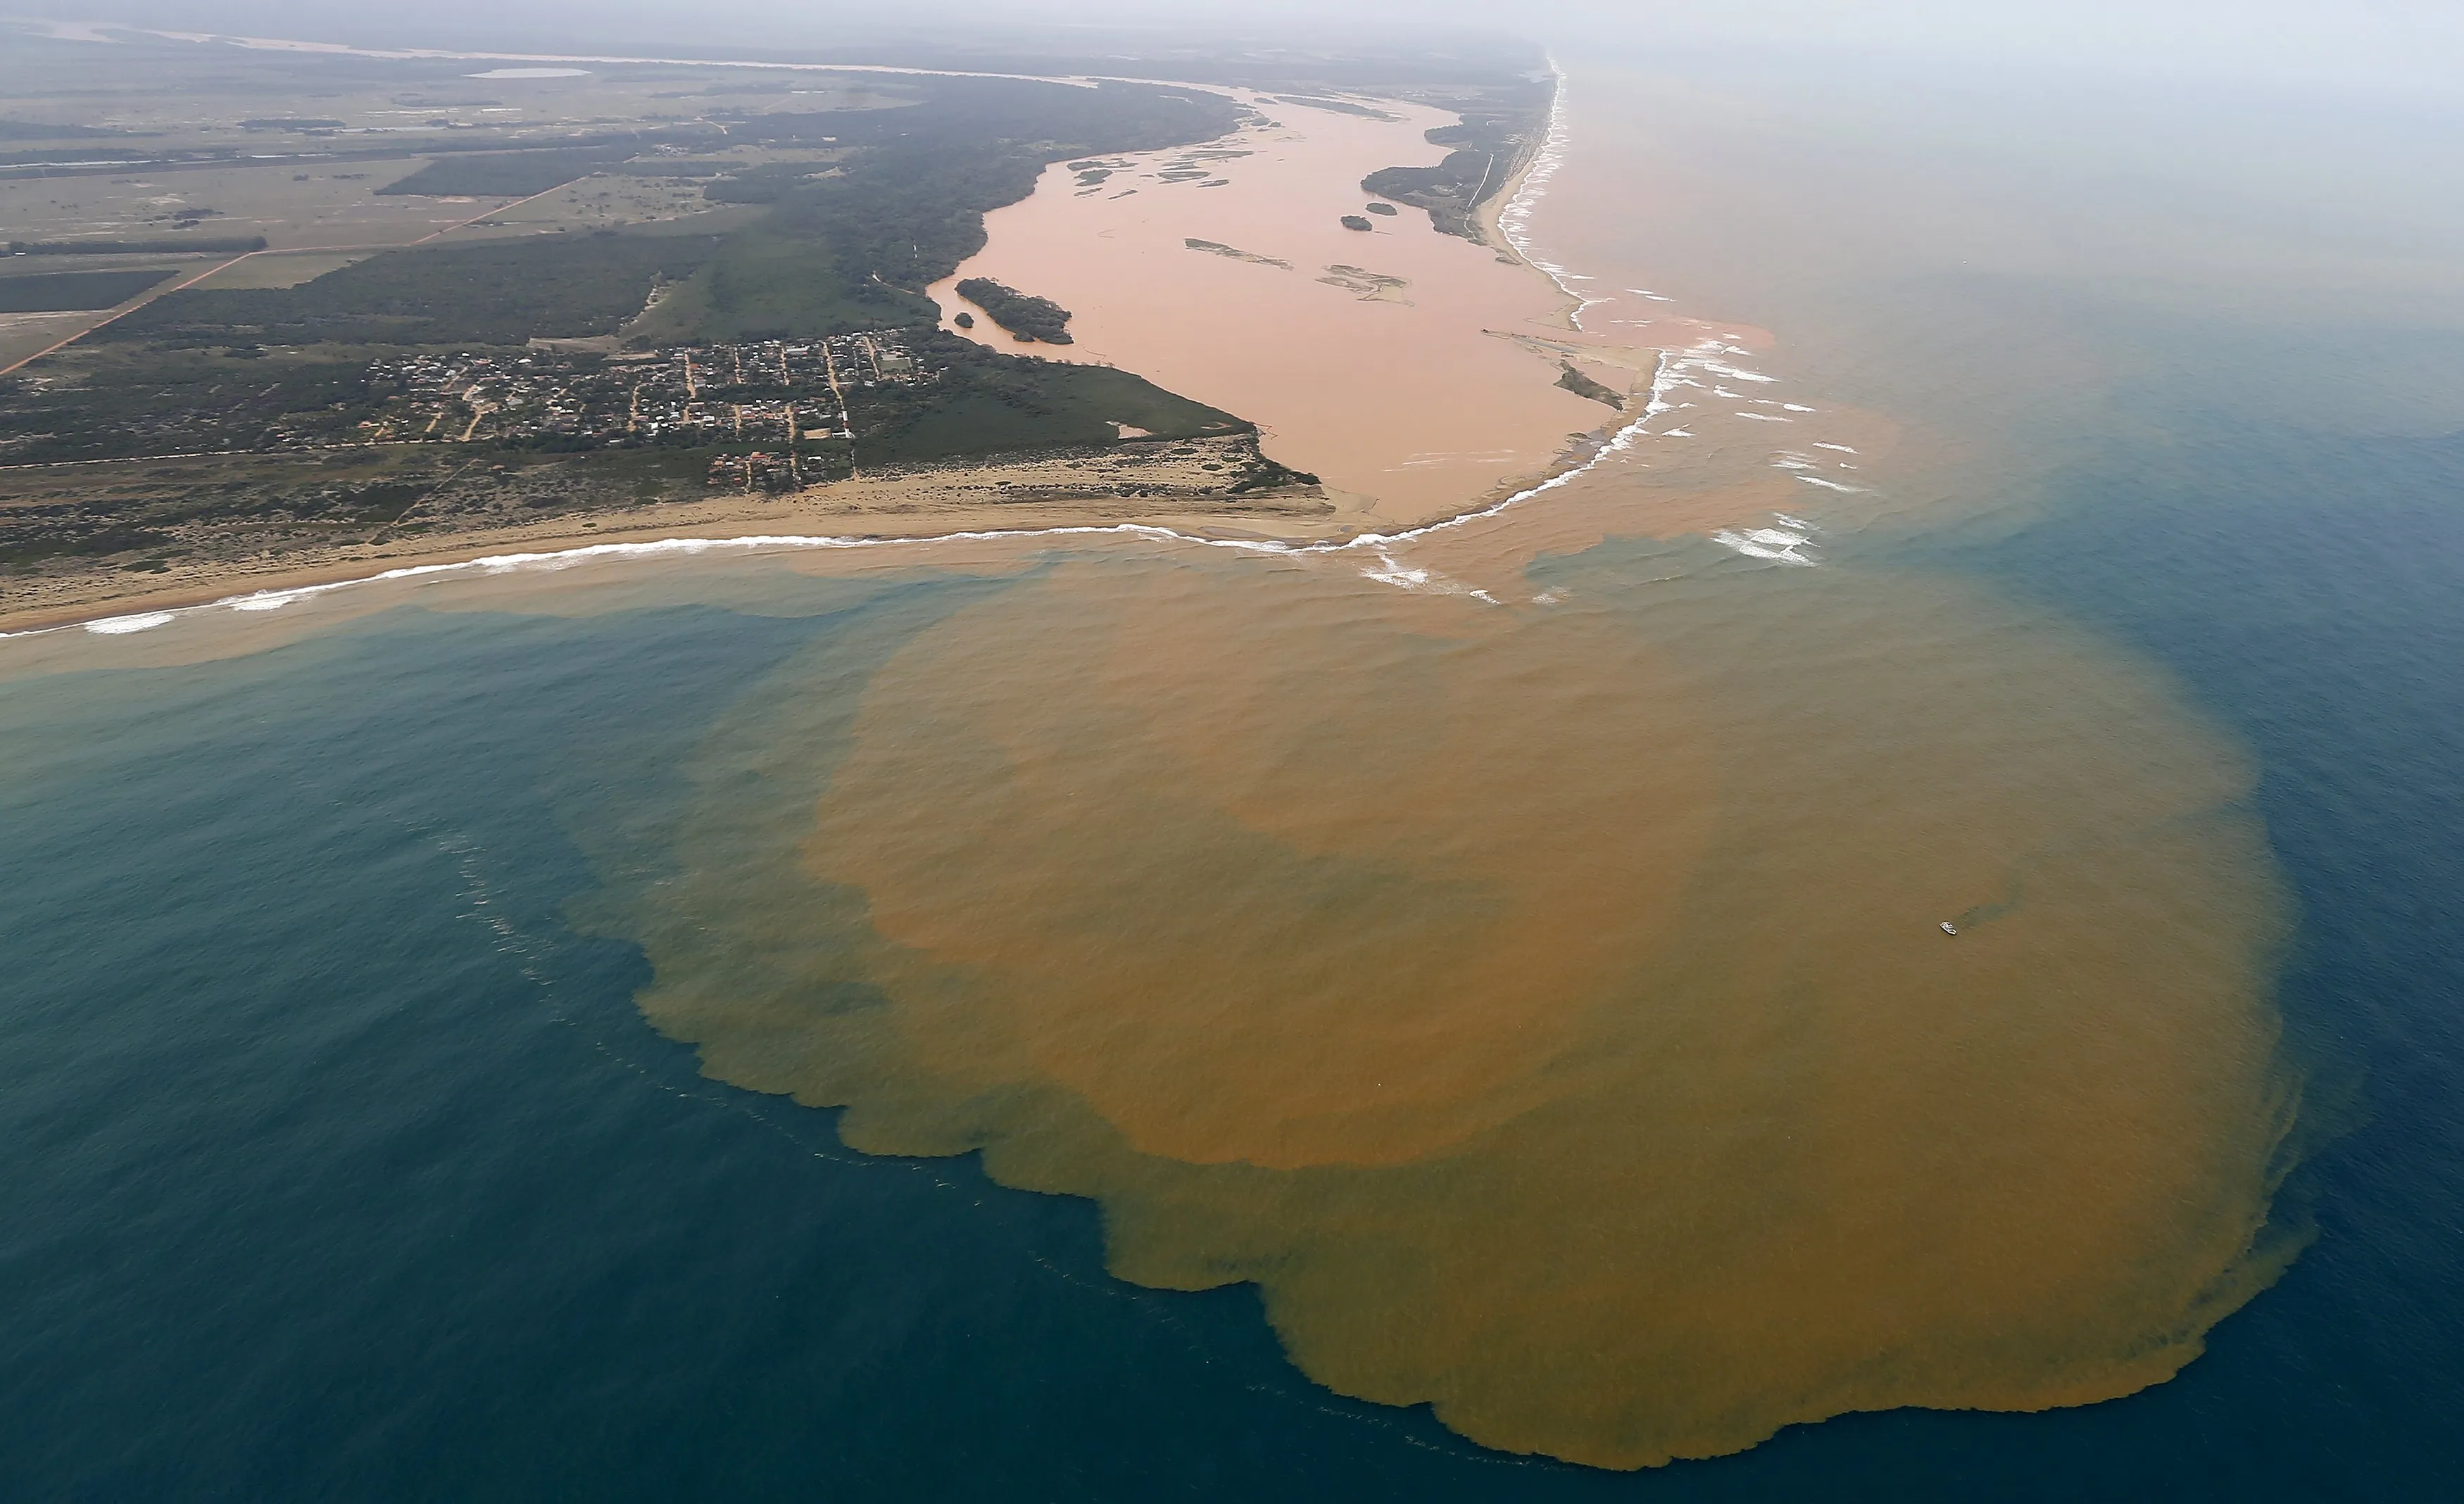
1581 385
37 130
989 402
206 509
1028 319
112 401
500 293
71 292
509 174
769 282
231 245
1337 106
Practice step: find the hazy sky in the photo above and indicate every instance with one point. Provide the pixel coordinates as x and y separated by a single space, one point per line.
2409 46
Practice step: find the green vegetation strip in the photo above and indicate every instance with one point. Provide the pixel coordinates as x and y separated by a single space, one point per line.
227 245
493 292
73 292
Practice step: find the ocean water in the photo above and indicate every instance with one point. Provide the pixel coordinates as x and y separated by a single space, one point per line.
1531 1014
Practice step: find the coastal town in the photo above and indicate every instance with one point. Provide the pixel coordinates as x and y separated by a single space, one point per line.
792 395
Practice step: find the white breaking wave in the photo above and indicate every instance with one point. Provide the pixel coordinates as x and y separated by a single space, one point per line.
1780 545
1386 570
121 625
1734 373
1672 370
1514 220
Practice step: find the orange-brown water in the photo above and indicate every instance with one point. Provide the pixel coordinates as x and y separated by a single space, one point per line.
1545 1007
1411 392
1539 993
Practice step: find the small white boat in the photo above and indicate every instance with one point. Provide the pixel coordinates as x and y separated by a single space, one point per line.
1949 929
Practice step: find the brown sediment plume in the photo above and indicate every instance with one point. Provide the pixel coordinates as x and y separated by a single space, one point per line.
1429 971
1543 1002
1548 1009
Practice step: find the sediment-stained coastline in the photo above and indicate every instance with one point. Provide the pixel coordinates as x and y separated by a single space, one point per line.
1393 363
1533 984
926 503
1504 377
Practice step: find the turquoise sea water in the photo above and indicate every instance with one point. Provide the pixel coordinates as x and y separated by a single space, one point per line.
338 1161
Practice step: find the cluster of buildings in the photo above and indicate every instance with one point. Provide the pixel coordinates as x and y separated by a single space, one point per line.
775 393
761 469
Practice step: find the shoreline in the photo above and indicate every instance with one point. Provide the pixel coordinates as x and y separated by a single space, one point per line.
1533 167
918 506
553 544
921 505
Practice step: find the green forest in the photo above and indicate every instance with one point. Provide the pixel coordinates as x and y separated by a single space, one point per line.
489 293
61 292
1027 317
873 205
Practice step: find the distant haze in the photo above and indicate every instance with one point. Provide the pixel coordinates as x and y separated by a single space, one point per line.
2408 47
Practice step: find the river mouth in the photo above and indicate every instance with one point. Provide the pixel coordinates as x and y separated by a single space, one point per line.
1517 948
1392 363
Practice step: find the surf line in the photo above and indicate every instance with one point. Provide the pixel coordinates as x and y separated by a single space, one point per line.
1668 372
1379 545
1514 220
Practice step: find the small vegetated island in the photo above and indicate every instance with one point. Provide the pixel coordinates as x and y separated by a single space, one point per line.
1029 319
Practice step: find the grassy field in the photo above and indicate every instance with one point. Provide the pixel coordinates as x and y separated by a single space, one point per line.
292 207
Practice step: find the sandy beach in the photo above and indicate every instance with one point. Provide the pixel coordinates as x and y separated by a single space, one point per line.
1061 489
1416 374
1413 372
